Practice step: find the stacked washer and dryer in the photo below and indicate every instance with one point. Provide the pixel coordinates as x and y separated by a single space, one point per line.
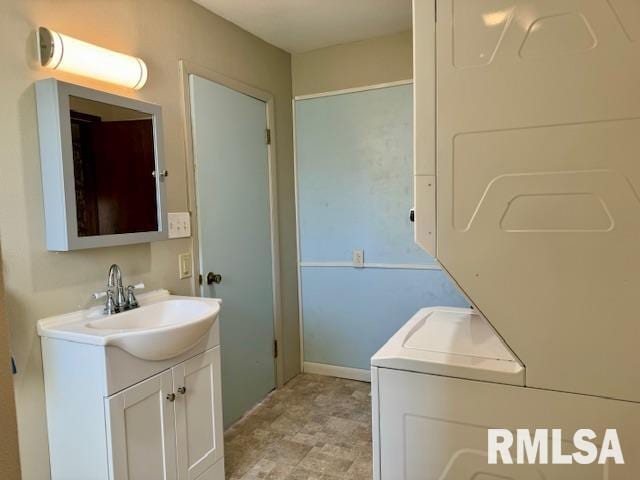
527 191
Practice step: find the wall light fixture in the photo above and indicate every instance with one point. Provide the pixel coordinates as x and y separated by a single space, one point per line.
68 54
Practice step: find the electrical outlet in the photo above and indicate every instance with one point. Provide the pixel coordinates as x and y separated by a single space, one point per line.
358 258
179 225
185 265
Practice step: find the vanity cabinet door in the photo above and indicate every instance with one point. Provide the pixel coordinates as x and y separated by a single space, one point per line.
141 431
198 405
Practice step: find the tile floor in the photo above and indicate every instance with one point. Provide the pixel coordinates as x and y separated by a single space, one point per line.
314 428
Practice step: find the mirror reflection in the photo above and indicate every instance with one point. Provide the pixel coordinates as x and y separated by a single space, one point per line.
114 160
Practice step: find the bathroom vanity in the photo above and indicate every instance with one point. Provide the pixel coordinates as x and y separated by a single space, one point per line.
135 395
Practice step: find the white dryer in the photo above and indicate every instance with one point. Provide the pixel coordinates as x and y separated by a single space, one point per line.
446 377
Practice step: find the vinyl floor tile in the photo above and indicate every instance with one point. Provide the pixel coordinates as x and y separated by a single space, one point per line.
314 428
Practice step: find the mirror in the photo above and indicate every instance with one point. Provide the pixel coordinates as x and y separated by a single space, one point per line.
106 150
113 168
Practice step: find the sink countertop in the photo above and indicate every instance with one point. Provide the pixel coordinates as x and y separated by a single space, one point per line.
76 326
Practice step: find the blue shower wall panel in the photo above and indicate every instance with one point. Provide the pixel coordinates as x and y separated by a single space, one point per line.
350 313
355 188
355 176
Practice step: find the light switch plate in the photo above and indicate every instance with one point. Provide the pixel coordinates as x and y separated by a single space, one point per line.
185 265
179 225
358 258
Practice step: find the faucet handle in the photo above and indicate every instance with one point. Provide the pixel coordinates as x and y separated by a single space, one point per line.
132 301
99 295
110 306
102 294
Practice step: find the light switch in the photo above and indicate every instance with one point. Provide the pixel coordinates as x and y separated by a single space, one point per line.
185 264
358 258
179 225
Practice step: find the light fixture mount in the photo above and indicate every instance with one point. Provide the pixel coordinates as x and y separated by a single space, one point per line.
45 42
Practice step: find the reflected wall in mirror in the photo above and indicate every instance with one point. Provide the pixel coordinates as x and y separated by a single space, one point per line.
99 155
113 165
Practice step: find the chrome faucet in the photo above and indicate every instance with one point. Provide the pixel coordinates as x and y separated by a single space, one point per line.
115 293
115 282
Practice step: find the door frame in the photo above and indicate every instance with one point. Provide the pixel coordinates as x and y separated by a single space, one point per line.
190 68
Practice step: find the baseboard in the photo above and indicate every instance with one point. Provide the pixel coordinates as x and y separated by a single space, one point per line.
336 371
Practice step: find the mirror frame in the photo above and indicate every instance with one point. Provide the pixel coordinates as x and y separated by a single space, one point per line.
56 158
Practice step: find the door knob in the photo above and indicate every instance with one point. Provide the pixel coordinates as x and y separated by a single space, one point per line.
171 397
182 390
213 278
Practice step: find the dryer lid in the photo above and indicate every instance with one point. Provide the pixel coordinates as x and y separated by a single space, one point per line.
455 342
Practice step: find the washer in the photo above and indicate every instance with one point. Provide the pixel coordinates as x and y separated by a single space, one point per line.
446 377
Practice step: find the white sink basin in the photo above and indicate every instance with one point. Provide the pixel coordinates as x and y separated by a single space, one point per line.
164 326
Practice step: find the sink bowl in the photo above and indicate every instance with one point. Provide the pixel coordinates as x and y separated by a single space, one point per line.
160 330
164 326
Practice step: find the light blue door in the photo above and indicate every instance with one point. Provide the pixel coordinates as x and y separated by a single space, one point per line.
234 223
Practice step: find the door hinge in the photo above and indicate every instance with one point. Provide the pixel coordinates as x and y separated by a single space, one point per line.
275 349
268 136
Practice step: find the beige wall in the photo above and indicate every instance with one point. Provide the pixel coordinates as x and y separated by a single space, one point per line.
39 283
9 464
357 64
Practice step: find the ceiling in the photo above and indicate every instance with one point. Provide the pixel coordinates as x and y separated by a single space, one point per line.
301 25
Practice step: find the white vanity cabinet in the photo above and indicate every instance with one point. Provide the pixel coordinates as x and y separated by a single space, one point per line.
114 416
141 431
165 427
199 416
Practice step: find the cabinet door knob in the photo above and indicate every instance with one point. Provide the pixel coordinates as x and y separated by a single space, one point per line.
171 397
182 390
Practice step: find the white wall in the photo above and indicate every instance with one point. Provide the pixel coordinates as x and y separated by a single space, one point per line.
40 283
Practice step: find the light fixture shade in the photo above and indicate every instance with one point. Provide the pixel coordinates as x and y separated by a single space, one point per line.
69 54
